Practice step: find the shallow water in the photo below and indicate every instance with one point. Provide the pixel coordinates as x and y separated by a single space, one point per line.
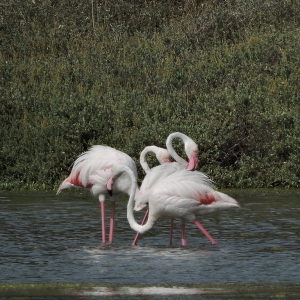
48 239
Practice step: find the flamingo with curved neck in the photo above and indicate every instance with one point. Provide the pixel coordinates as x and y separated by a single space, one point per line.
160 172
91 170
183 194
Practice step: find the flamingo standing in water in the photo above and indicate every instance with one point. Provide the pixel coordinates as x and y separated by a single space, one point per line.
92 169
183 194
95 165
160 172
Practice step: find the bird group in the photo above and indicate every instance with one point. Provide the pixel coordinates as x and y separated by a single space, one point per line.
171 189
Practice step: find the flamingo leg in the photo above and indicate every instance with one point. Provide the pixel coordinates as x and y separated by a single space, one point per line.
197 223
112 222
171 231
137 236
102 210
183 237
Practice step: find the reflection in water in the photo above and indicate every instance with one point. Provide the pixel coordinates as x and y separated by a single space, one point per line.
151 290
49 238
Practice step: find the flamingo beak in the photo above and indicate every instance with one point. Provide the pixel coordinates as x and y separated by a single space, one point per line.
193 161
110 185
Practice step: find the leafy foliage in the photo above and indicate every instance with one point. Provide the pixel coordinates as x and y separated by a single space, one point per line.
128 73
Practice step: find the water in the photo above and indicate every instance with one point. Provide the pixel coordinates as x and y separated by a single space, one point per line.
56 239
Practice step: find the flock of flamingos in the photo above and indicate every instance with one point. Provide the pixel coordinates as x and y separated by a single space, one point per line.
171 189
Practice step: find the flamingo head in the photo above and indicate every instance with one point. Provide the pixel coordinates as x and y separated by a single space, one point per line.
163 156
193 161
110 185
192 152
167 160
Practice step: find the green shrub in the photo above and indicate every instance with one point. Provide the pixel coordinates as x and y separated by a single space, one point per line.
127 74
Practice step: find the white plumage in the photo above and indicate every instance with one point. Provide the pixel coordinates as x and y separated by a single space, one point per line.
184 194
92 170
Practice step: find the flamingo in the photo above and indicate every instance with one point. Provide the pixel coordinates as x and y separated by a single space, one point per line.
162 156
92 169
183 194
158 173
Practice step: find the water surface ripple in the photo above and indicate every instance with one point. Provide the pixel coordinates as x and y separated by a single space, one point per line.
47 238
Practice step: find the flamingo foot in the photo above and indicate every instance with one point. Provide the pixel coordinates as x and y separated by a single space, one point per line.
197 223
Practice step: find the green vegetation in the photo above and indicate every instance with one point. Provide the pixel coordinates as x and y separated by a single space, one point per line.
128 73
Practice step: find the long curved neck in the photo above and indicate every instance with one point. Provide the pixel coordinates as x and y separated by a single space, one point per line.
130 216
132 222
143 161
171 150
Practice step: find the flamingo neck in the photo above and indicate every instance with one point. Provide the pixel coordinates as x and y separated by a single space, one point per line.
130 206
171 150
143 161
132 222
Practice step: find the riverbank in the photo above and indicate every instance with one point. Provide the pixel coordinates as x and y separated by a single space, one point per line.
117 291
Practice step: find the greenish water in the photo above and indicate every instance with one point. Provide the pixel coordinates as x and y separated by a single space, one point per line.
50 248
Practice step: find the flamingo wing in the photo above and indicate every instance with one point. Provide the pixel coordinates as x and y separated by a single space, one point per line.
188 193
154 176
96 158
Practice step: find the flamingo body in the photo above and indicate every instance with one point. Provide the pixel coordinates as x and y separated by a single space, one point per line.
187 195
97 158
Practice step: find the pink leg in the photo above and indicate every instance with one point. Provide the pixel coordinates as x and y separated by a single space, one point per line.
205 232
183 238
171 231
102 209
112 222
137 236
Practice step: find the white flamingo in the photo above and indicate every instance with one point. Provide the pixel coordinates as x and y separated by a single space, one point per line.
92 169
160 172
183 194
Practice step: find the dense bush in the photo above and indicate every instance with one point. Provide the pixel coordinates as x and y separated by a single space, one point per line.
127 73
